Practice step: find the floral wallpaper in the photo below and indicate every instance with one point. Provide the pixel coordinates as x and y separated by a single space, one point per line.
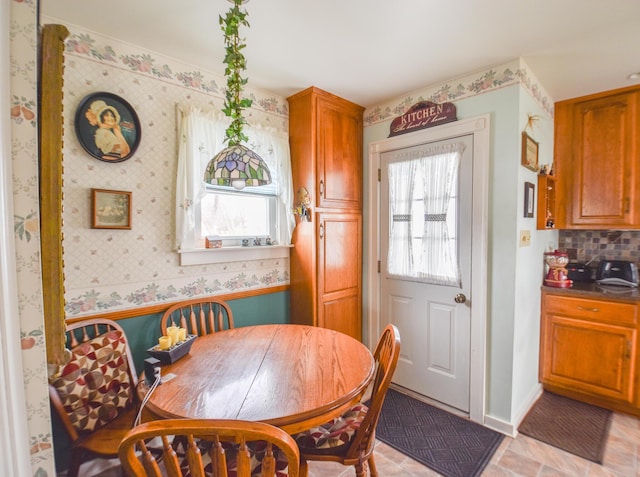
514 72
24 155
108 270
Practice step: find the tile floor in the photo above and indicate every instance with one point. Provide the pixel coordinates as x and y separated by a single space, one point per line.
521 456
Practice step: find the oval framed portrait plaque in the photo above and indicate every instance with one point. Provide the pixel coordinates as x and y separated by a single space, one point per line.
107 127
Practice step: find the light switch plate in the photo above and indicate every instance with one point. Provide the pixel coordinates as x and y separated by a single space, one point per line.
525 238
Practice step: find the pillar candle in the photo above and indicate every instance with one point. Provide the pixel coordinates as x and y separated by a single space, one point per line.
173 331
164 342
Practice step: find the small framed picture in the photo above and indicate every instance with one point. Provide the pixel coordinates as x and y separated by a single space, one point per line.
529 152
529 198
110 209
107 127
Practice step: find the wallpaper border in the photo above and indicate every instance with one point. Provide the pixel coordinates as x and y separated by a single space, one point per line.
87 44
480 82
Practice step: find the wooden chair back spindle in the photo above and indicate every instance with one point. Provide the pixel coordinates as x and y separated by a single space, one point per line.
225 446
200 316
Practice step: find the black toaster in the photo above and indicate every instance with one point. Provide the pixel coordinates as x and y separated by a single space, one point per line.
579 272
617 272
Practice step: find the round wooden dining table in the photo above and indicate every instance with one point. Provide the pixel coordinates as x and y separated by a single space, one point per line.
291 376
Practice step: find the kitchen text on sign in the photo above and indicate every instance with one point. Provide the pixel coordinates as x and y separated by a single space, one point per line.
422 115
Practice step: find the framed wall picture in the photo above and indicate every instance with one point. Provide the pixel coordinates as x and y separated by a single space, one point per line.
107 127
110 209
529 196
529 152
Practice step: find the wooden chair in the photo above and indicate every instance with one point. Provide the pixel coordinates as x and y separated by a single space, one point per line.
94 393
215 448
350 439
201 316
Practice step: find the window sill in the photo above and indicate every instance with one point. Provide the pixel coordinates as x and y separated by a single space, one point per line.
203 256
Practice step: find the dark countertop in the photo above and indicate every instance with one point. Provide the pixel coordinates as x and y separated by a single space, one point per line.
602 292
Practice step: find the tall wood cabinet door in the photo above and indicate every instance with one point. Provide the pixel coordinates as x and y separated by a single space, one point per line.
339 154
340 272
582 355
605 166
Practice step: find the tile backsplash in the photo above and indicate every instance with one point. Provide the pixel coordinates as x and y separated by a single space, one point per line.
584 245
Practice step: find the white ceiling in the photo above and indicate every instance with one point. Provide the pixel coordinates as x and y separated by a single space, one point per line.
369 51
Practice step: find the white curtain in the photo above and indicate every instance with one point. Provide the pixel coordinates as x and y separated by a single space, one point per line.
200 136
400 256
423 215
439 249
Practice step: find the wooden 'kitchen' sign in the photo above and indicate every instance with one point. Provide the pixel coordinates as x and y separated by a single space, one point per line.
424 114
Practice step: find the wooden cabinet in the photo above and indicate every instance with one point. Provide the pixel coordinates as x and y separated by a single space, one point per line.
597 157
588 350
339 273
325 135
546 215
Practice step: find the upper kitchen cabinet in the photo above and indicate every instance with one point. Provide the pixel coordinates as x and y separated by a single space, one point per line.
597 160
326 134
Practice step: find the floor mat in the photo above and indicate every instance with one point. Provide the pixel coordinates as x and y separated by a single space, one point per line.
573 426
448 444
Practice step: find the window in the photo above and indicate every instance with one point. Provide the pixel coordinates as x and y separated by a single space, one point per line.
233 215
423 196
209 210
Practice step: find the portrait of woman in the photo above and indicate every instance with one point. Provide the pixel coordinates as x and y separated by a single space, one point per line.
107 127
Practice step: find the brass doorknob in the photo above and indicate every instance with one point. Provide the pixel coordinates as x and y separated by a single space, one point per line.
460 298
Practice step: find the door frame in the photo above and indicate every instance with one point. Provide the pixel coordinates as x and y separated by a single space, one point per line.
479 127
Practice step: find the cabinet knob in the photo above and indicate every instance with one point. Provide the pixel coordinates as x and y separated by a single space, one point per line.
321 188
321 231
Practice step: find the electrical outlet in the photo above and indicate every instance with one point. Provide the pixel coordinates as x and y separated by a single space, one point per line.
525 238
151 367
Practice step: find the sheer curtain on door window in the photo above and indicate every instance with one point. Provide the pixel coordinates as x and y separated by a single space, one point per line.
423 187
400 259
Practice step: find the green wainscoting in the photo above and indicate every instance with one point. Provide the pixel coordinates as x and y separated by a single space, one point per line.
143 333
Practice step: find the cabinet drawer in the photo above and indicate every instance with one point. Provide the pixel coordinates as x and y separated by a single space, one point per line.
596 310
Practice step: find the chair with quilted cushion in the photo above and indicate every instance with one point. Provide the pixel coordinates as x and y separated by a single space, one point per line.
201 316
216 448
350 439
94 393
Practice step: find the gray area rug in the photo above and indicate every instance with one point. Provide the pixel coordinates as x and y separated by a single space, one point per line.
448 444
573 426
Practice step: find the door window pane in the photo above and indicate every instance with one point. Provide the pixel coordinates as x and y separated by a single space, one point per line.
423 204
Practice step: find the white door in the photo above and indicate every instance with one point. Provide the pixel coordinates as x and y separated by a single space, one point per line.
425 290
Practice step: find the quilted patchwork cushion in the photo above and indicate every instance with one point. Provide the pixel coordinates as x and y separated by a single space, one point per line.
257 450
94 386
333 434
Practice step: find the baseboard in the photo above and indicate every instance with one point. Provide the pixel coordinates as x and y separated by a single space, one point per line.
531 399
498 425
511 428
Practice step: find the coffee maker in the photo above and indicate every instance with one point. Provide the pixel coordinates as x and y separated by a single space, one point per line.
557 275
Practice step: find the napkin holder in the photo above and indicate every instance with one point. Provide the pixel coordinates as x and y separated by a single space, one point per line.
174 353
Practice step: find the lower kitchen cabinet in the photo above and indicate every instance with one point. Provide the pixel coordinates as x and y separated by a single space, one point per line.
588 350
